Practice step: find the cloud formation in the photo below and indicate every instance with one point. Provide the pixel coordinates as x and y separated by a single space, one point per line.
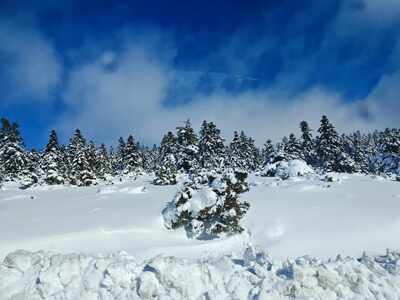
129 97
29 66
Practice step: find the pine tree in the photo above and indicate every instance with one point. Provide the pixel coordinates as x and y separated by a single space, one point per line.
52 161
119 156
293 148
132 159
187 148
212 153
104 167
80 171
243 153
330 149
166 170
267 151
307 143
150 158
13 159
387 159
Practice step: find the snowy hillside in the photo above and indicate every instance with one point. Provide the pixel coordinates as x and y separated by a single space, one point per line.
287 218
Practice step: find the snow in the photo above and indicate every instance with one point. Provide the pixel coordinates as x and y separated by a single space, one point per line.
252 275
287 169
287 218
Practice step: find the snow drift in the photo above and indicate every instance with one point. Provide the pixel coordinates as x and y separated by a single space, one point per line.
254 275
286 169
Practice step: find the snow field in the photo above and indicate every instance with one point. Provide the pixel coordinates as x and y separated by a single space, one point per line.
287 218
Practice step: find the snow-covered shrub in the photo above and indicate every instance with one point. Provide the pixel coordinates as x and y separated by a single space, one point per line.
209 205
331 177
286 169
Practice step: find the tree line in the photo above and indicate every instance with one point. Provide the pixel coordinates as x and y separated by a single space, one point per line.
84 163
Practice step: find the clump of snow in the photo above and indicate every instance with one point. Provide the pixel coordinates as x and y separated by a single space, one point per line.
286 169
134 190
107 190
253 275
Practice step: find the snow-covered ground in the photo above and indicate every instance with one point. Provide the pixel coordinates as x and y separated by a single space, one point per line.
291 218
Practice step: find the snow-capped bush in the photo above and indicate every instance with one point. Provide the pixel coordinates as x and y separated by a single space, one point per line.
331 177
254 275
286 169
209 205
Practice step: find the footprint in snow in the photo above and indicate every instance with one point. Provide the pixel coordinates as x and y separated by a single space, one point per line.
136 190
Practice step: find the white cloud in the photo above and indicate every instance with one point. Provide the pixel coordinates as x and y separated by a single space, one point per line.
29 64
107 103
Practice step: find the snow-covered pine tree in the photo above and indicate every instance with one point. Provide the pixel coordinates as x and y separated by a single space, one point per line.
330 150
187 148
132 159
118 158
80 171
255 159
235 157
307 143
387 160
31 173
279 154
150 158
267 151
211 153
243 154
293 148
103 166
355 147
166 170
52 162
92 156
14 162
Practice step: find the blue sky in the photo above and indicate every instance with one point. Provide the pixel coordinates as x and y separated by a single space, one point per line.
119 67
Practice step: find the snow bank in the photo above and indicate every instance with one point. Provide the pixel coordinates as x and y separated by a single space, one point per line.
254 275
286 169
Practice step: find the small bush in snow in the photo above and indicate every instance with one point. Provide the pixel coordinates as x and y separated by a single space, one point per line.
286 169
331 178
209 205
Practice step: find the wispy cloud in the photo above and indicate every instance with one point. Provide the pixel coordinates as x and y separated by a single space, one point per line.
29 66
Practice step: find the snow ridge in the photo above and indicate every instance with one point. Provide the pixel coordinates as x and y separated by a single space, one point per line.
253 275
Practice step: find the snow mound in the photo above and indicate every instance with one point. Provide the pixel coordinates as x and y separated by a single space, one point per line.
107 190
253 275
134 190
287 169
